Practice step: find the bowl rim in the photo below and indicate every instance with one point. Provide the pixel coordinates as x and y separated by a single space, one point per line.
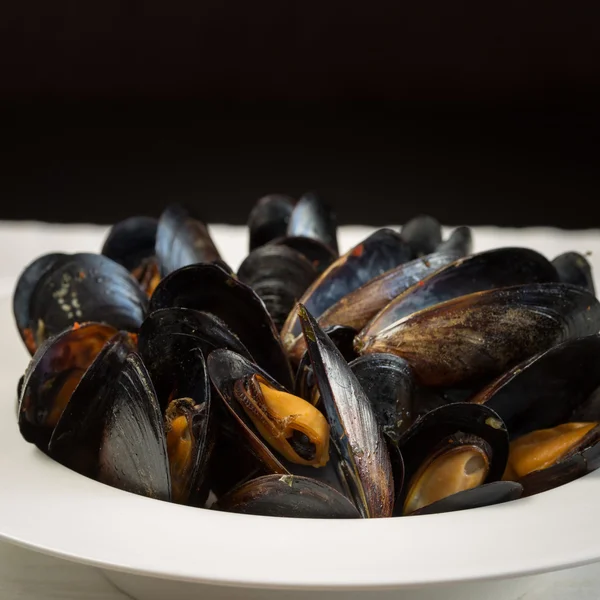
88 522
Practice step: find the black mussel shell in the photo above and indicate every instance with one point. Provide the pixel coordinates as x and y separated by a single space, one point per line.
364 460
589 409
211 332
279 276
52 376
131 241
343 338
575 269
423 233
389 384
269 219
545 390
483 334
85 287
380 252
487 494
24 289
182 239
460 240
357 308
112 429
288 496
441 424
209 288
177 368
318 254
499 268
312 217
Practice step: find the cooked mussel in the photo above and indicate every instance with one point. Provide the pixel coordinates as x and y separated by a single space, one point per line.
58 291
378 253
53 374
548 458
207 287
423 233
269 219
362 456
131 243
291 426
279 276
312 217
112 429
182 239
498 268
460 240
358 307
388 382
451 449
317 253
575 269
485 333
288 496
545 390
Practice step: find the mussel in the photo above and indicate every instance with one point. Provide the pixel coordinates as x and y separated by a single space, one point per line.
269 219
380 252
57 291
131 243
574 268
423 233
112 429
485 333
183 239
279 276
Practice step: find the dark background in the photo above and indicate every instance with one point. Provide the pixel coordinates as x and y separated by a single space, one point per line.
475 112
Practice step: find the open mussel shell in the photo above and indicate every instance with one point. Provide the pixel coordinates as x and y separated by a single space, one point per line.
85 287
190 433
546 389
28 280
363 458
269 219
548 458
378 253
131 243
182 239
279 276
52 376
389 384
499 268
483 334
288 496
487 494
209 288
112 429
357 308
575 269
423 233
343 339
268 414
211 332
312 217
452 448
317 253
460 240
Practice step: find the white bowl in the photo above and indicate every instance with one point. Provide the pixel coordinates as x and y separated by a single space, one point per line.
155 550
158 551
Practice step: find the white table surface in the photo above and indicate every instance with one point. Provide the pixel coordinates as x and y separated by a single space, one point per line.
27 575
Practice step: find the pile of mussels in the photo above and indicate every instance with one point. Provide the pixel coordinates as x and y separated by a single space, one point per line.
407 376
